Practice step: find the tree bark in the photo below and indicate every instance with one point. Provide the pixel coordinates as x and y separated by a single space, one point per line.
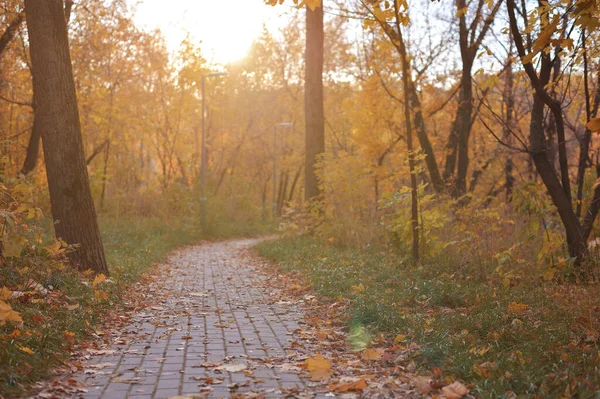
73 209
313 99
411 154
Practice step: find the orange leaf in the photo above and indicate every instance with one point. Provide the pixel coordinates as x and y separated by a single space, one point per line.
594 125
5 294
99 279
372 354
25 350
349 387
8 314
318 367
517 307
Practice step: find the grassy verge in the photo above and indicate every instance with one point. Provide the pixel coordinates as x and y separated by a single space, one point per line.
56 320
529 339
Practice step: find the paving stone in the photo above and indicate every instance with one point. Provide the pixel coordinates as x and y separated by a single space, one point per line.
207 310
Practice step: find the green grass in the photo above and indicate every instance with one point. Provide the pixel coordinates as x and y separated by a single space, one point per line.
131 245
461 319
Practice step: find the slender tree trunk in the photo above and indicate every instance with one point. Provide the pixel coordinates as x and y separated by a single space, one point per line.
313 99
73 209
33 148
591 112
409 144
294 182
509 103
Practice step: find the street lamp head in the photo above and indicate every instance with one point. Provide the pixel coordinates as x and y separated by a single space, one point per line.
290 124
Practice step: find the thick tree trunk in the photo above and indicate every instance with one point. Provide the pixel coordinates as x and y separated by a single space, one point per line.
313 99
72 206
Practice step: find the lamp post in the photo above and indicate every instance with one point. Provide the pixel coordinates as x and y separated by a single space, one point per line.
203 198
289 124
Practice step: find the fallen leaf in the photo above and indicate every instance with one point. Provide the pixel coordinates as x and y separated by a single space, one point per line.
72 307
8 314
318 367
423 384
98 280
399 338
456 390
516 307
349 387
5 293
25 349
232 368
372 354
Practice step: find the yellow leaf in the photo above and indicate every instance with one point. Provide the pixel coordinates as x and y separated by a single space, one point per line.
594 125
456 390
5 294
372 354
357 289
517 307
8 314
399 338
99 279
318 367
25 350
101 295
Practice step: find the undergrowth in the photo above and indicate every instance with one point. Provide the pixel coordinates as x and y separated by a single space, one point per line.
531 338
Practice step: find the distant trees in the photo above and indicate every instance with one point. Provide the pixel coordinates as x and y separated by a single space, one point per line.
73 209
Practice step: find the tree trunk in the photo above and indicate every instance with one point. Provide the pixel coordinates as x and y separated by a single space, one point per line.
33 148
411 154
73 209
509 102
313 99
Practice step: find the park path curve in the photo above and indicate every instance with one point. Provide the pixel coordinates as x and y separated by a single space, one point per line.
215 331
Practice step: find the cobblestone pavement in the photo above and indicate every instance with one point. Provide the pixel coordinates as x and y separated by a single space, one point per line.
214 331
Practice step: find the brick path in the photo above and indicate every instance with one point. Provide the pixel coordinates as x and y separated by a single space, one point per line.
212 313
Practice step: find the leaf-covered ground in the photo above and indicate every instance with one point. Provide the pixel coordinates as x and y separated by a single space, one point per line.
529 339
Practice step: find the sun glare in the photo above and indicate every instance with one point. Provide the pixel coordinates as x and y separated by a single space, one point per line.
226 33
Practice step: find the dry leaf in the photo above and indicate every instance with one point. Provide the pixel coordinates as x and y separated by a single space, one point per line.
8 314
232 368
456 390
349 387
5 293
372 354
319 368
516 307
25 350
99 279
423 384
399 338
